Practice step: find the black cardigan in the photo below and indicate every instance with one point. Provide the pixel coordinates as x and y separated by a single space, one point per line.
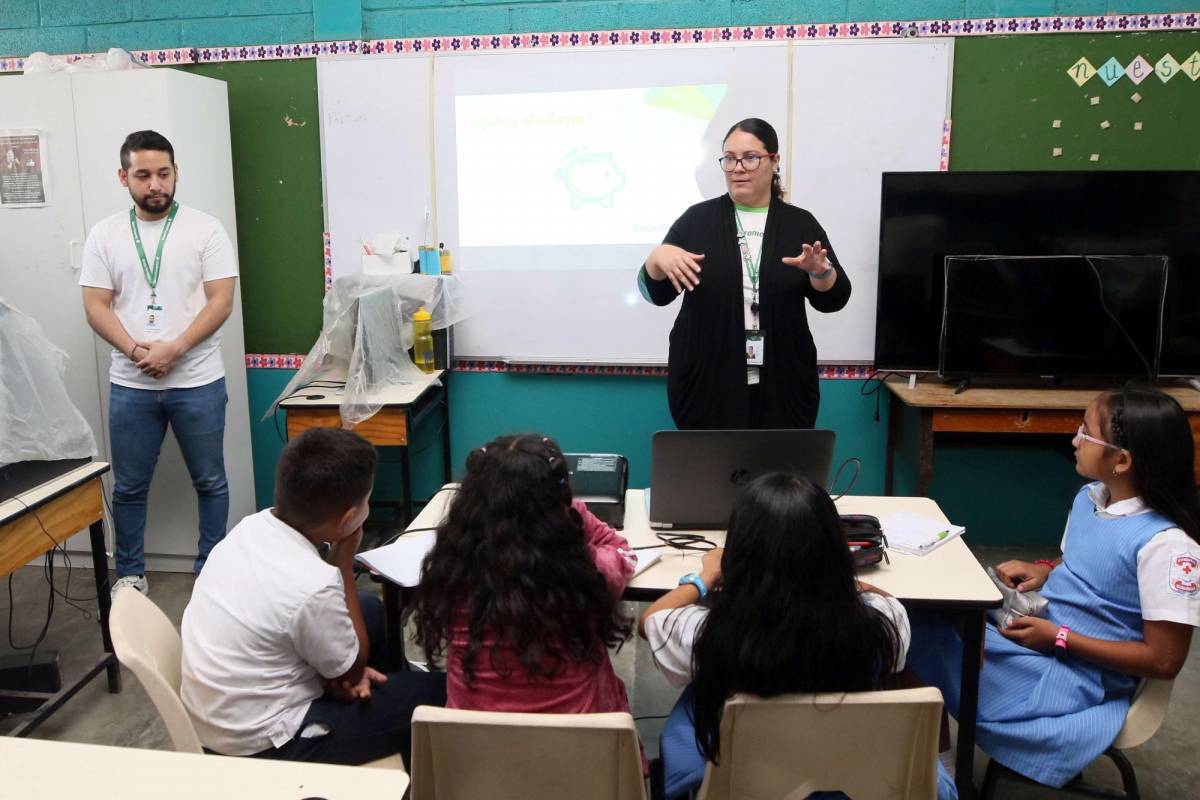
706 383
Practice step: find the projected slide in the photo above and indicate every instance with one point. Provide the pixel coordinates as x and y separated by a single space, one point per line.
596 167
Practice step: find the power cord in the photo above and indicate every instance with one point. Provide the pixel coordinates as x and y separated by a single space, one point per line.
1103 305
878 378
857 471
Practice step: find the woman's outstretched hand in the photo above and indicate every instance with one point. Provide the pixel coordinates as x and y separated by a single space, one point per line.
676 265
813 258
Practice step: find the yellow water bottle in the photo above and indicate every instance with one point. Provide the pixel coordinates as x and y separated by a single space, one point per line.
422 340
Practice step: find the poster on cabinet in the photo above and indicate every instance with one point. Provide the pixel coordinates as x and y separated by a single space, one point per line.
23 169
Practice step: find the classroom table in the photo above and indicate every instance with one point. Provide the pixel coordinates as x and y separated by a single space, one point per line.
37 769
991 411
948 580
404 406
31 524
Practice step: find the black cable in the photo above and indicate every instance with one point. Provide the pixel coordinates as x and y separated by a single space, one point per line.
685 542
651 716
47 569
391 539
857 471
879 378
1103 305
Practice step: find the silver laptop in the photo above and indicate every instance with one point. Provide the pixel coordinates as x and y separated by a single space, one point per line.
695 476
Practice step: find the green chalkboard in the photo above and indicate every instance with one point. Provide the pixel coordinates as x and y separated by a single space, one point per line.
1008 92
273 124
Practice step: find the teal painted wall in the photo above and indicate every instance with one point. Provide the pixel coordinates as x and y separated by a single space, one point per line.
1003 494
71 26
583 413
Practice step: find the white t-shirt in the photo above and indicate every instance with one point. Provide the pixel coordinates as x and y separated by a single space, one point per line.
197 250
1168 564
672 634
753 223
266 622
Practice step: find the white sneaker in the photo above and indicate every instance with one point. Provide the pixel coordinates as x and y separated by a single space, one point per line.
138 582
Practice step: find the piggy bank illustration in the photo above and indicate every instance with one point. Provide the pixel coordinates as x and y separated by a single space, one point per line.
590 177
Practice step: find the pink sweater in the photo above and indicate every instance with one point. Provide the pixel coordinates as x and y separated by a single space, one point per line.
581 687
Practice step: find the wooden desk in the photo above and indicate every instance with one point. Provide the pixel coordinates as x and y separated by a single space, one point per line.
949 580
995 411
33 523
36 769
403 407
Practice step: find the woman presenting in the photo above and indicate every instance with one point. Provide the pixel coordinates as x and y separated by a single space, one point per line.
741 354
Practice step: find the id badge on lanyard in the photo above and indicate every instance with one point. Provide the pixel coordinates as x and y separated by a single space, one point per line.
754 348
155 318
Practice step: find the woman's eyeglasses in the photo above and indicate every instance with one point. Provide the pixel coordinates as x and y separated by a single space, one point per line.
1079 434
750 161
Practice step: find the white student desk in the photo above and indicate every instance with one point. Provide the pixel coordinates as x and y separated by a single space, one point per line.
403 407
35 522
36 769
949 580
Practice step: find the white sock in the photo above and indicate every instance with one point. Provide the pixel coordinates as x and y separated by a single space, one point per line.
947 759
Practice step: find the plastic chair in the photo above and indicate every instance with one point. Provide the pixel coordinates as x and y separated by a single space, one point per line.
508 756
865 744
1144 718
147 644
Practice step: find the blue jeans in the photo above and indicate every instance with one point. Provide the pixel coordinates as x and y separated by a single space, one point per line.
137 423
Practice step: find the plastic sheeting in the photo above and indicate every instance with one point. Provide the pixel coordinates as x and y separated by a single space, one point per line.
38 421
366 332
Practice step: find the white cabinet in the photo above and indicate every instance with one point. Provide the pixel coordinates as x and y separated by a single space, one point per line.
84 118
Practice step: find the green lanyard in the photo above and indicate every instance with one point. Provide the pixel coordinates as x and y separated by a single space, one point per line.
152 274
752 266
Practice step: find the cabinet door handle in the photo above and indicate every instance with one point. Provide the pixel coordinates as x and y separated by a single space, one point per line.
75 254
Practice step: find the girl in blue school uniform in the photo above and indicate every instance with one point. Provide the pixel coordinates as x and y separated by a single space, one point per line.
1123 598
777 611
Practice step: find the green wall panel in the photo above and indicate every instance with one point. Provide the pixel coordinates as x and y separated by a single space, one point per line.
274 124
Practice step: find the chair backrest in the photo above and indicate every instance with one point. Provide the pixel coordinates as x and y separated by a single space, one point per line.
1146 713
506 756
866 744
147 643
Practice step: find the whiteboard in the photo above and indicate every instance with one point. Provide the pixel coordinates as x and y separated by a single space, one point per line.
845 113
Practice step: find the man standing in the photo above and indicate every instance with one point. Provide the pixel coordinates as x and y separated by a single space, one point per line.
158 282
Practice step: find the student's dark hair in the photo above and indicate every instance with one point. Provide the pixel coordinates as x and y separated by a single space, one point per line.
761 129
1153 427
321 473
785 615
145 140
511 562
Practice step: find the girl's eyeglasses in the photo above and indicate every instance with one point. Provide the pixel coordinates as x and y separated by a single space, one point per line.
1079 434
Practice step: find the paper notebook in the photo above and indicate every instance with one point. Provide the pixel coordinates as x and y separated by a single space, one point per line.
400 561
917 535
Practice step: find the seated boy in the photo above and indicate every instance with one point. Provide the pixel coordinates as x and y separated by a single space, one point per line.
275 647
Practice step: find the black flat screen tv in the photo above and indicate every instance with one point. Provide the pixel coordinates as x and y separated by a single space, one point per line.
1052 316
926 216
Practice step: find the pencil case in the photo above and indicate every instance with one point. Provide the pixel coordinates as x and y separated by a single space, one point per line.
864 537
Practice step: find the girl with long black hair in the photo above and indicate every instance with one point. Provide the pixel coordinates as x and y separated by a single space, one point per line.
777 611
1123 598
520 593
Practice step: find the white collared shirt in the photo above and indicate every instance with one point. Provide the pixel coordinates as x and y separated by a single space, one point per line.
266 622
1168 564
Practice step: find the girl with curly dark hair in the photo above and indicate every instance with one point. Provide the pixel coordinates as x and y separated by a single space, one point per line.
520 593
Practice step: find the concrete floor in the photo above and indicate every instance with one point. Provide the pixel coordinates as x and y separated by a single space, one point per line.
1167 766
